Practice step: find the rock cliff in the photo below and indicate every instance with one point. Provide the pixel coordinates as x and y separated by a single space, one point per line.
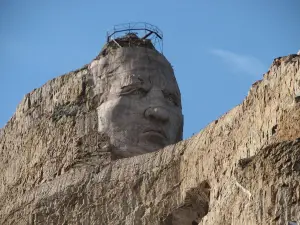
244 168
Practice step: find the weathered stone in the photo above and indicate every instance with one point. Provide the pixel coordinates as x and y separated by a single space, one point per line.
140 106
57 168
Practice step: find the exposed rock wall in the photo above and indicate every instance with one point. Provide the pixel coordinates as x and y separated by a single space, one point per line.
241 169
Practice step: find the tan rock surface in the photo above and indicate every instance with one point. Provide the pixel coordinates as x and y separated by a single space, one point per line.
55 168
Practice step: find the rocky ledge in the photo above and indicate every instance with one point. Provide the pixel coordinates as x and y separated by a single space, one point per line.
244 168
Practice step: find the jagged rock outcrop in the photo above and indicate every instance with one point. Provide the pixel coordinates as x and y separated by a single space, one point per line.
244 168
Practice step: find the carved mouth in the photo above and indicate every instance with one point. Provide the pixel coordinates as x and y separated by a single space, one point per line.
155 131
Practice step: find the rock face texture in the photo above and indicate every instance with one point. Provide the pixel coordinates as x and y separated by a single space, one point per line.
138 100
244 168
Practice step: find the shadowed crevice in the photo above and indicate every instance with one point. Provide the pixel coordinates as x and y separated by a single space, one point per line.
194 207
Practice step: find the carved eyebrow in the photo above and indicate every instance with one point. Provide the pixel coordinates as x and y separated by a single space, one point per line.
135 83
176 93
130 88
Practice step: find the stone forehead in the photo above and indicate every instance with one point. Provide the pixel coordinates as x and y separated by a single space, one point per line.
111 69
130 58
136 52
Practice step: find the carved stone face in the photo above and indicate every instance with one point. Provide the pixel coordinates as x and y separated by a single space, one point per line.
141 111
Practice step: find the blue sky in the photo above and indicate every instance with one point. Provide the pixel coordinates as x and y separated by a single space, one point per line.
218 48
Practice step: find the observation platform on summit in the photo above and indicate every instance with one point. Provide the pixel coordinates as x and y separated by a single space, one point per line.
136 34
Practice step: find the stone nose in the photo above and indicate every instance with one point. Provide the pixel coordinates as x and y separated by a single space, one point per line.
157 113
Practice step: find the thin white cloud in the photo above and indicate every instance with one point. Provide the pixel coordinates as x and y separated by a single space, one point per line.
241 63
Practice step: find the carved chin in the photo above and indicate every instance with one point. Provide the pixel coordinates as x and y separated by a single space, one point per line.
152 141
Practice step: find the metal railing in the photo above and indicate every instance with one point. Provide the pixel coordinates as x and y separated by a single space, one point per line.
141 29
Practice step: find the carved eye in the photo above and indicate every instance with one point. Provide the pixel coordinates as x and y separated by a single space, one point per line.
139 91
171 98
133 91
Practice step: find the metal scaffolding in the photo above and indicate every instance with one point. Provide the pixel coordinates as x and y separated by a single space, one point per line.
144 31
